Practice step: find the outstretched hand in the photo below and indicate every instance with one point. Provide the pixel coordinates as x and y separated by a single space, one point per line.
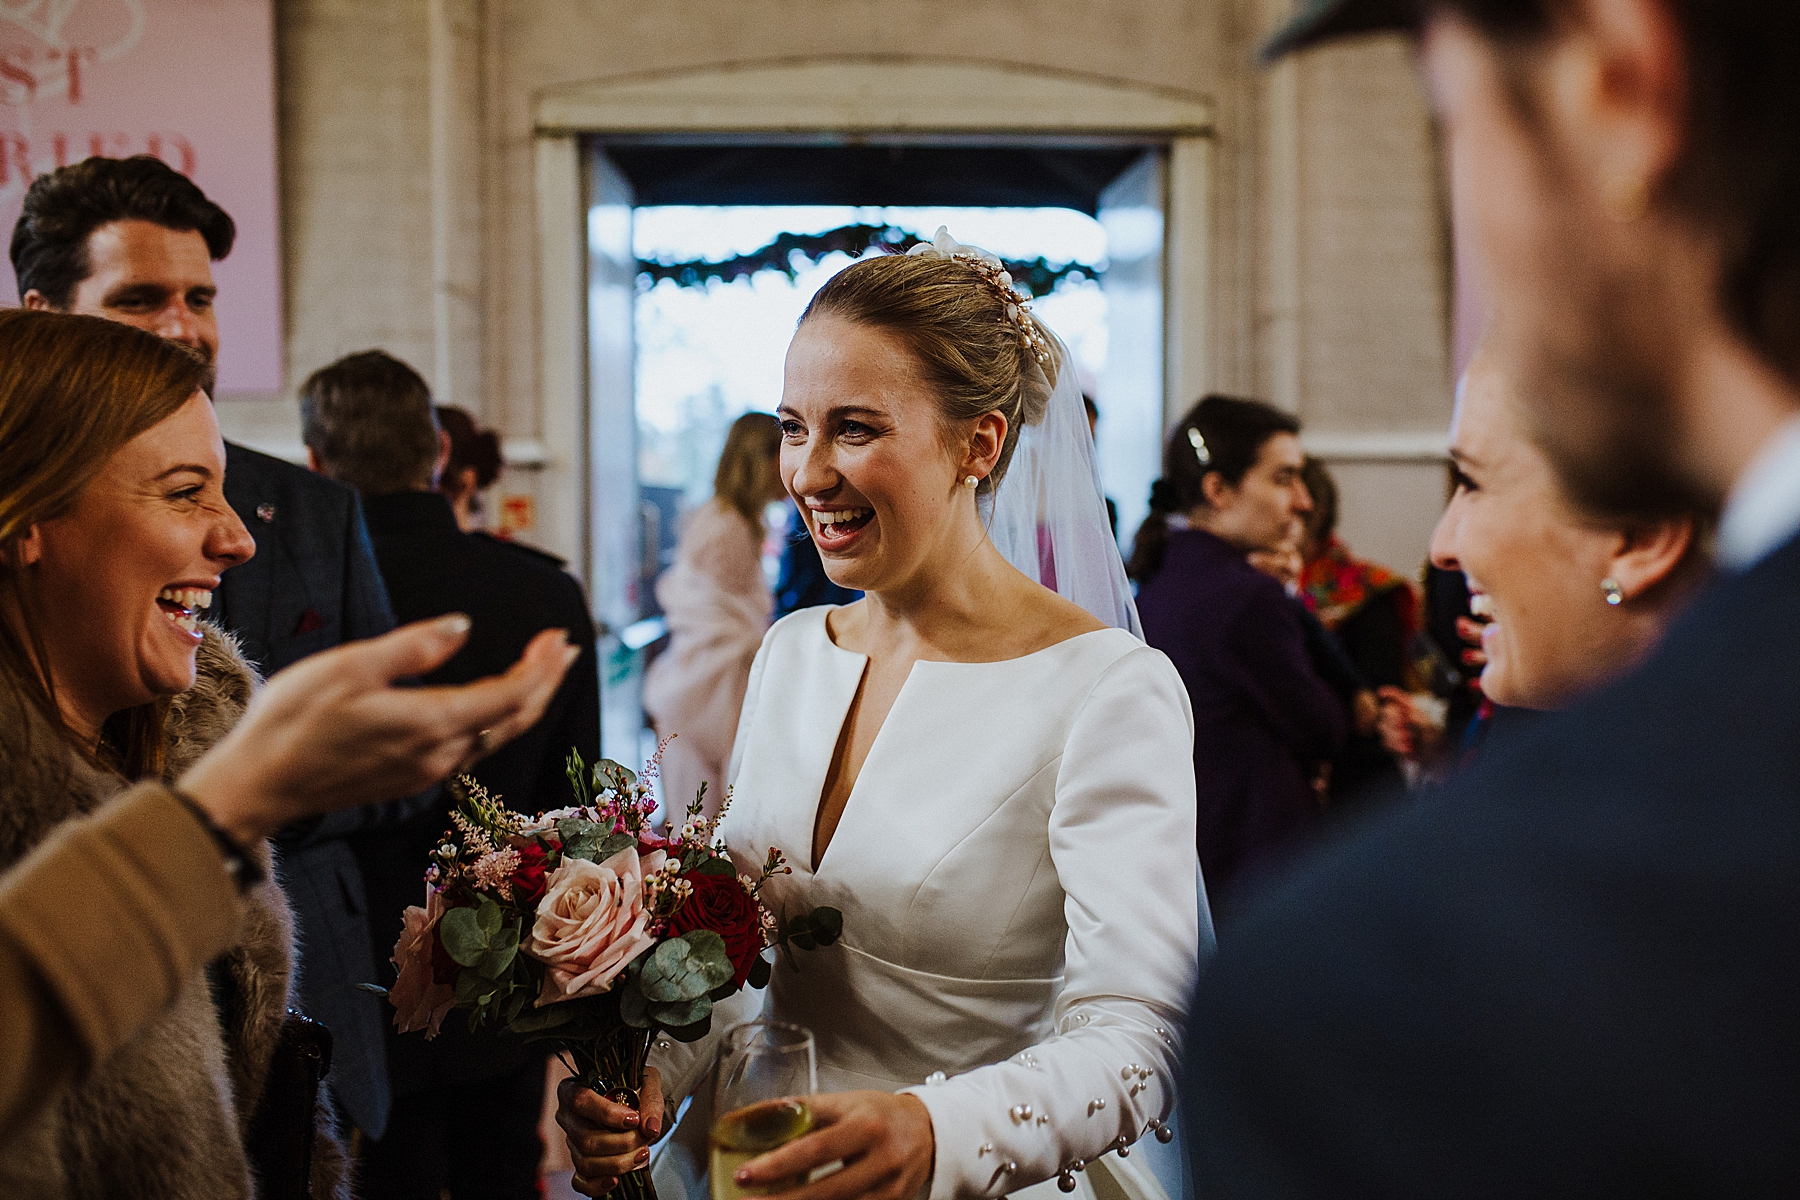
333 731
607 1139
884 1139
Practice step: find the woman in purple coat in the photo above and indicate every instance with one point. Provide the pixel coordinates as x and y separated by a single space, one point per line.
1264 722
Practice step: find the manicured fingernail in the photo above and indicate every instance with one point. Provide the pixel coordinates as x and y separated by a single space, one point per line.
653 1126
643 1156
455 625
631 1120
742 1176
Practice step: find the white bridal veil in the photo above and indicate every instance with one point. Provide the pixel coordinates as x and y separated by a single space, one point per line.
1048 516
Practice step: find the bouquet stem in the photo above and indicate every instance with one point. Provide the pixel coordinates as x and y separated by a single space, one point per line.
613 1065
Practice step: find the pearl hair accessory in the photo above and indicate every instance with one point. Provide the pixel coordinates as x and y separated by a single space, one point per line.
993 273
1199 444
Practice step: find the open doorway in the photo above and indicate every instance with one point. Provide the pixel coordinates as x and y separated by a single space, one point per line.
702 252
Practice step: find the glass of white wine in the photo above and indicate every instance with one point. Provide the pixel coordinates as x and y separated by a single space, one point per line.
766 1071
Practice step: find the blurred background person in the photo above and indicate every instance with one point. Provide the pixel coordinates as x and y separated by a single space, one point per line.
466 1106
1571 599
132 240
1571 972
1264 721
473 467
1373 614
717 602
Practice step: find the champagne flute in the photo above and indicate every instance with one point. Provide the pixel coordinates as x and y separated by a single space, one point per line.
766 1071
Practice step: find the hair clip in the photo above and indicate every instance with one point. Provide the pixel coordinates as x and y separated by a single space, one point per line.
1199 445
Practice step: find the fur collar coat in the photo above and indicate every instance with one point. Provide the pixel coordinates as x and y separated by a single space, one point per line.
165 1118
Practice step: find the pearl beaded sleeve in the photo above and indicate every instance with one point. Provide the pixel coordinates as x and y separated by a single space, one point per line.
1122 835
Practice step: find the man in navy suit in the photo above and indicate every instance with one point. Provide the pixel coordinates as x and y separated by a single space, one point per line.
134 241
1576 971
466 1105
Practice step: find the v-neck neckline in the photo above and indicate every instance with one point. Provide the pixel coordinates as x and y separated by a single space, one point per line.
862 661
862 676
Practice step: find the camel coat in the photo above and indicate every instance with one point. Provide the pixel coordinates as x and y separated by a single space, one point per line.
166 1114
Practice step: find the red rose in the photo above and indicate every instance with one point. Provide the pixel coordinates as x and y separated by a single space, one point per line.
721 904
528 876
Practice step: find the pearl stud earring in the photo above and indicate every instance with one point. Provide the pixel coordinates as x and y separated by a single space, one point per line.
970 481
1615 595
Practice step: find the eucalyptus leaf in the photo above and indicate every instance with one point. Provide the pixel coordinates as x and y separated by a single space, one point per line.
827 923
580 837
551 1017
494 963
490 918
463 937
469 987
634 1007
686 967
692 1033
681 1013
759 973
673 974
715 866
611 844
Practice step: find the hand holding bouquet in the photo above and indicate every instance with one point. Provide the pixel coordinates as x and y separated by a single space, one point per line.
585 927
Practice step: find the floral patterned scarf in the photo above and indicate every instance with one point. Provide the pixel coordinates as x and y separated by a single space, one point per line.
1336 586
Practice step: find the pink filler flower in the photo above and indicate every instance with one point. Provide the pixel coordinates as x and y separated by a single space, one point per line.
591 923
420 1002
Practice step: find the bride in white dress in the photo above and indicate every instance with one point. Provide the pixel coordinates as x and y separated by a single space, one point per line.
994 785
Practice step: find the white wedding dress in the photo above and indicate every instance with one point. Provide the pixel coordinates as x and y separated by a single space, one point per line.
1016 870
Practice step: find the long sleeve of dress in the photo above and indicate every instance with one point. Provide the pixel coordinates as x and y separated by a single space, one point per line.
100 926
1122 834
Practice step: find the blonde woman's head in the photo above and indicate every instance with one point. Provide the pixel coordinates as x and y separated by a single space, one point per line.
748 476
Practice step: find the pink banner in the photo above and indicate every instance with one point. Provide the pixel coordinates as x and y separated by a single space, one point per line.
190 81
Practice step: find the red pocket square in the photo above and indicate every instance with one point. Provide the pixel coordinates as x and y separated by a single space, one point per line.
309 621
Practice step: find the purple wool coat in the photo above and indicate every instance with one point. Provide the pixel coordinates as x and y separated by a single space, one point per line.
1263 719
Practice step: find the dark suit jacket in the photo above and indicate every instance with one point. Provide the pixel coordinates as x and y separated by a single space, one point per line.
1573 972
1263 719
511 594
312 585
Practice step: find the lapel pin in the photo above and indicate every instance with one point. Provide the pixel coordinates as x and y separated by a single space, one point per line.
265 513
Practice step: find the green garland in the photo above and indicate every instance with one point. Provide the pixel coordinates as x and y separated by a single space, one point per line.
1036 277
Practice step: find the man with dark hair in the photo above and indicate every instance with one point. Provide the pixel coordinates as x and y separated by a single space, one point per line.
134 241
1574 971
368 423
466 1106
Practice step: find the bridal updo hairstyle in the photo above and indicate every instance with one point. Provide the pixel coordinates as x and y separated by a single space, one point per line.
73 390
952 316
1233 431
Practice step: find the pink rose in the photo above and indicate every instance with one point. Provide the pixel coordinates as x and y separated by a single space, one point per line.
591 923
546 822
420 1002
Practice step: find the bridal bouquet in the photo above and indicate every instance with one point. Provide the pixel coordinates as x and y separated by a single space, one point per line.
587 928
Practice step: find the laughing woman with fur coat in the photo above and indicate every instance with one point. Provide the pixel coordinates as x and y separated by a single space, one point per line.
118 530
